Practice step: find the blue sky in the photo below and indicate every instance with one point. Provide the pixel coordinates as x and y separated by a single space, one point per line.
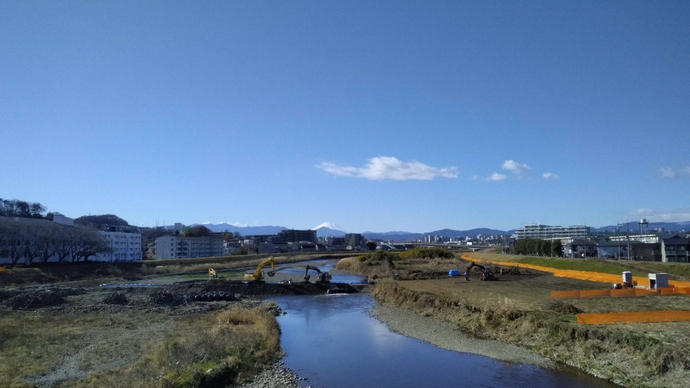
376 116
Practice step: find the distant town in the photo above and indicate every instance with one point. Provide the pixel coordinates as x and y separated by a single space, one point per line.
29 235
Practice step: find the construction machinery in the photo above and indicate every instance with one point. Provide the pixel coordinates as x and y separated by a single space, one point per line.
321 277
487 273
258 276
6 271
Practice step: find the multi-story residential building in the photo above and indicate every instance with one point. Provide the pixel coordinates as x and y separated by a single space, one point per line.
124 247
179 247
541 232
645 238
294 235
675 249
354 240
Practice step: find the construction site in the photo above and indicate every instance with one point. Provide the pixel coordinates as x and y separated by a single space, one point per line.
186 323
633 333
103 325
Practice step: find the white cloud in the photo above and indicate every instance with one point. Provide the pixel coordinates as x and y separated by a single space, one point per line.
549 175
495 177
515 167
671 172
667 172
652 215
388 167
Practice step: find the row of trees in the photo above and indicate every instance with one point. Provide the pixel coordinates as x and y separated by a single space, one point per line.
538 247
38 241
18 208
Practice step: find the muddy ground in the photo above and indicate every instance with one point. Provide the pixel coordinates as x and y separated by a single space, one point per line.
63 333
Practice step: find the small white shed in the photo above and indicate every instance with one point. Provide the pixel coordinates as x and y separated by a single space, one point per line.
658 280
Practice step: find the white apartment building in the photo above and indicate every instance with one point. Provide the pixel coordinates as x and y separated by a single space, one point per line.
124 247
179 247
542 232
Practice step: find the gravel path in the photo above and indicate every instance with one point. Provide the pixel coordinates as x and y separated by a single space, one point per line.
275 376
446 336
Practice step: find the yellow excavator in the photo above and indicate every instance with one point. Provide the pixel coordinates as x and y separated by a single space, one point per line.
258 276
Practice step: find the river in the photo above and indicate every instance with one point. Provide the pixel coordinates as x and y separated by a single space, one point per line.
333 341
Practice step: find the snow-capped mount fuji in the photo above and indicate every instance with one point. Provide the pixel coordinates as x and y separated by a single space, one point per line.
329 229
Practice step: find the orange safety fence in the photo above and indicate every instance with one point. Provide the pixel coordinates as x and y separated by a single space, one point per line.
581 275
617 293
634 317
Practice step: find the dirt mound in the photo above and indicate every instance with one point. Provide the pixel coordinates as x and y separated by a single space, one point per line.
33 300
167 298
207 296
515 270
564 308
116 298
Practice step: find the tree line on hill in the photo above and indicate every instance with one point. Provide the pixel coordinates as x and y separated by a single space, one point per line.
538 247
19 208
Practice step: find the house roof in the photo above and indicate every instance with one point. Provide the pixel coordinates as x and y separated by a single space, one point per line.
675 240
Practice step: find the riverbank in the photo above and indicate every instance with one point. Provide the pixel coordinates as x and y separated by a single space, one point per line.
274 376
517 309
632 355
446 335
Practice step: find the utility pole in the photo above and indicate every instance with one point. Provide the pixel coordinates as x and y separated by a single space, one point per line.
618 235
627 237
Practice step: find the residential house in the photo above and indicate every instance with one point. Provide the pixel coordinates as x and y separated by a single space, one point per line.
675 249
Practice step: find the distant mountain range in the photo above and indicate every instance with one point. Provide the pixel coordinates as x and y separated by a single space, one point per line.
244 230
330 229
407 236
634 227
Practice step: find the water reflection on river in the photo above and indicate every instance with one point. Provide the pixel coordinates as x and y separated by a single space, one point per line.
334 342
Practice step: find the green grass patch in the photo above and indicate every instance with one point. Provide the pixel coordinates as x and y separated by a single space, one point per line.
426 253
638 268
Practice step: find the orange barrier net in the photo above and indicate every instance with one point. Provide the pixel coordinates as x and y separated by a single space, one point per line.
582 275
616 293
634 317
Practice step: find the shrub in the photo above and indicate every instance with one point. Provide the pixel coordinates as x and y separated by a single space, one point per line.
426 253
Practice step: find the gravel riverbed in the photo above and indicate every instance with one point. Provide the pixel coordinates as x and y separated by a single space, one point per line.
446 336
275 376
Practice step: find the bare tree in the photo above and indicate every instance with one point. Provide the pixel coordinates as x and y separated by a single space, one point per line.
88 243
10 240
47 242
31 243
65 244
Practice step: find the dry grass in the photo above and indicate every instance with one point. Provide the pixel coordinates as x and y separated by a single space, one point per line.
220 348
679 271
134 348
517 309
413 264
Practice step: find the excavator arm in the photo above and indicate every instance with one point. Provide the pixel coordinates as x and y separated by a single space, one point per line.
487 274
306 272
257 275
322 277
